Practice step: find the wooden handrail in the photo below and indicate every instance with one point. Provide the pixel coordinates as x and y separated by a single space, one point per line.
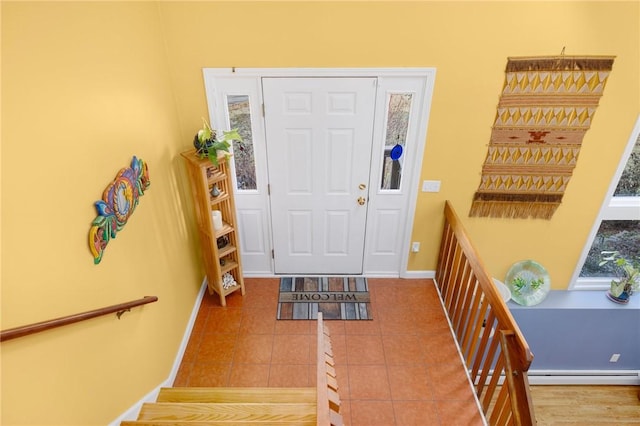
489 338
120 308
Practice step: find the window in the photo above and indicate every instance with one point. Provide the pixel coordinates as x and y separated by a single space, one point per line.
398 112
618 227
243 157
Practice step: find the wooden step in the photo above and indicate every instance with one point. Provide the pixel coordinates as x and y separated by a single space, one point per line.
240 395
215 423
229 412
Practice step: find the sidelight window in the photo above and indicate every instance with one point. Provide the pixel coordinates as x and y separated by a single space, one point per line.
398 113
243 154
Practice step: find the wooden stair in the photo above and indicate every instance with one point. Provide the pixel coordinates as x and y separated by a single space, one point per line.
238 406
312 406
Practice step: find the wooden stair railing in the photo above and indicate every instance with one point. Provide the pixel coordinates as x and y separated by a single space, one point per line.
319 406
119 309
328 400
516 382
488 336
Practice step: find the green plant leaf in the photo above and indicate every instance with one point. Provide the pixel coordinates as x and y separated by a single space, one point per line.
232 135
204 135
213 157
221 146
617 287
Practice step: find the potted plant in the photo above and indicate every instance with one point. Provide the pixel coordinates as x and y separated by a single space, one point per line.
628 272
208 143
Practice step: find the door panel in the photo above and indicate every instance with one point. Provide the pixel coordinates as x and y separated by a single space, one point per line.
385 236
251 223
319 135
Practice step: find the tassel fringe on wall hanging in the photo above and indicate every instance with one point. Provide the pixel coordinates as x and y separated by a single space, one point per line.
546 106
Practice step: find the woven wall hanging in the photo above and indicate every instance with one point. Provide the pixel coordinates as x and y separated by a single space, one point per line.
546 106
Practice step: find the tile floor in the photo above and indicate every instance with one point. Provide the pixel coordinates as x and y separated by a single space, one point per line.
401 368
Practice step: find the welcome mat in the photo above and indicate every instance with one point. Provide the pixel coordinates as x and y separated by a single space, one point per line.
339 298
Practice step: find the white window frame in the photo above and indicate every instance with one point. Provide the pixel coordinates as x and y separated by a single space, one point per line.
613 208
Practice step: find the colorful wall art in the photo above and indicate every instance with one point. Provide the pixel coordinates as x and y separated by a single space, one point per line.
546 107
119 200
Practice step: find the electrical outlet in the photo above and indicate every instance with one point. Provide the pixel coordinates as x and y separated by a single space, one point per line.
415 247
614 358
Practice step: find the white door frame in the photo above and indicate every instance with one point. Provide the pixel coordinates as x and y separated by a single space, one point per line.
253 206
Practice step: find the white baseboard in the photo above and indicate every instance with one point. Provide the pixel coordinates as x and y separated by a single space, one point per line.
405 274
132 412
258 274
418 274
187 333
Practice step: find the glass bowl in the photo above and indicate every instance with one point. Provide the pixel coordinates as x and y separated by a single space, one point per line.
528 282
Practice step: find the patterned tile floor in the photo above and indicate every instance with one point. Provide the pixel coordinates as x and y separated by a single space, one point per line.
401 368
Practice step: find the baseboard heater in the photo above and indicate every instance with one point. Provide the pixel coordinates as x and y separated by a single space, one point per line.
581 377
584 377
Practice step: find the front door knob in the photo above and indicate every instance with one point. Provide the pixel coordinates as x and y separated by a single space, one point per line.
361 201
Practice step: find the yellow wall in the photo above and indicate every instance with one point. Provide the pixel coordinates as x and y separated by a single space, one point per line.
87 85
468 43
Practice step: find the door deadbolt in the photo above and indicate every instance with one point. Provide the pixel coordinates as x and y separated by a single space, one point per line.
362 186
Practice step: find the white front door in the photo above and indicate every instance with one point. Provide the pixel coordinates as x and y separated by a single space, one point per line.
393 187
318 136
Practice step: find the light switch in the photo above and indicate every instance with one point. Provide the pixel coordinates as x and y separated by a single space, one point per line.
431 186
